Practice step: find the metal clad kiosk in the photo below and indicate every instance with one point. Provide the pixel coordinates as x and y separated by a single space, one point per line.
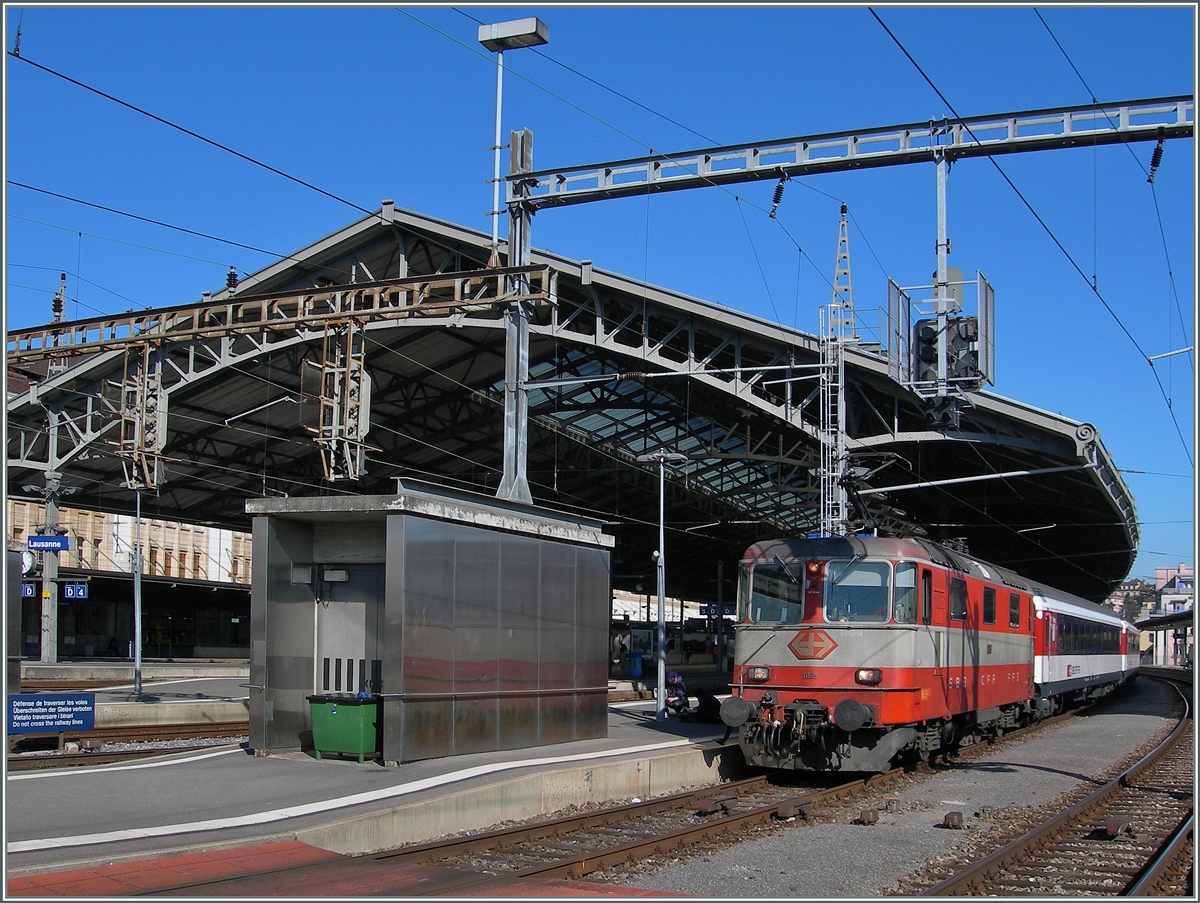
481 624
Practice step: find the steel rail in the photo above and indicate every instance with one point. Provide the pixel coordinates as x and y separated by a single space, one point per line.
144 732
1169 858
450 880
964 881
458 846
41 761
580 864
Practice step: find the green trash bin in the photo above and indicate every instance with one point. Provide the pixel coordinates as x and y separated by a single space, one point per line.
345 724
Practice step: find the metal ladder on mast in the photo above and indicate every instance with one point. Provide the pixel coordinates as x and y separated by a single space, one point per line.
837 330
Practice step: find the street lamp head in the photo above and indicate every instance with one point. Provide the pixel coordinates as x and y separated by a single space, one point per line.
662 456
514 34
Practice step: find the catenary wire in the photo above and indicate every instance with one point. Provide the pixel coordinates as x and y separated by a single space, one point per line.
1053 238
132 244
155 222
1153 190
196 135
27 266
660 156
42 291
301 181
739 200
600 84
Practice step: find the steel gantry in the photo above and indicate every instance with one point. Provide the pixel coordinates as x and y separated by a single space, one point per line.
946 357
955 139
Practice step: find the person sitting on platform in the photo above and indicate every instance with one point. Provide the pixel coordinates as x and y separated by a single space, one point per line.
707 709
677 698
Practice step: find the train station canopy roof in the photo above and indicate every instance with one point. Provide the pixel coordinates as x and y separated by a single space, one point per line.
1185 618
237 396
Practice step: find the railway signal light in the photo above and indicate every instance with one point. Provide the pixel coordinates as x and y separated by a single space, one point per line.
962 347
925 356
943 412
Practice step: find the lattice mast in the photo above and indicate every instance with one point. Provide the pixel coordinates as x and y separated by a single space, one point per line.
837 330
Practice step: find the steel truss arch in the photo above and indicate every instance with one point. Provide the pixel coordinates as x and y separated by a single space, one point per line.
731 391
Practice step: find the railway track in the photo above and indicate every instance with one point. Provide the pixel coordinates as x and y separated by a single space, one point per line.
570 846
1132 837
576 846
601 842
92 742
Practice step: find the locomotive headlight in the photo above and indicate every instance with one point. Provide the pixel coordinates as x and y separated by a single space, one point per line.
868 676
759 673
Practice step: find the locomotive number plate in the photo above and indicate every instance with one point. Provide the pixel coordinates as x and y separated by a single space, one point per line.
815 644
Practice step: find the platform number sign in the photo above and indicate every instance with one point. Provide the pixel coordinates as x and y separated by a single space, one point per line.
28 590
714 610
75 591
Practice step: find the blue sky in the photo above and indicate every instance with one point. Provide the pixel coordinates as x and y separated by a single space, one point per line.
370 103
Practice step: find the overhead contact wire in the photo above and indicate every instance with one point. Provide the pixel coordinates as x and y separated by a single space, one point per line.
1049 232
196 135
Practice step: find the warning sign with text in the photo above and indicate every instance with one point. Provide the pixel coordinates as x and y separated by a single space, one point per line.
47 713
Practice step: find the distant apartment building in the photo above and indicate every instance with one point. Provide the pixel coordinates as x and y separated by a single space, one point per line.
194 589
1133 599
105 542
1176 588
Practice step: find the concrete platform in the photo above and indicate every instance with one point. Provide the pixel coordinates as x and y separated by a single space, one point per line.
227 798
199 692
173 692
121 670
247 872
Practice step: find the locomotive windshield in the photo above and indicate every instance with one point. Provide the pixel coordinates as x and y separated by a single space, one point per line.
776 593
857 590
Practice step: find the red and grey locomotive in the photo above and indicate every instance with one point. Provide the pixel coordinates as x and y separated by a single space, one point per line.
854 651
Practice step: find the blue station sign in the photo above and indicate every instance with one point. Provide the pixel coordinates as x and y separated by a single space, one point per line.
49 543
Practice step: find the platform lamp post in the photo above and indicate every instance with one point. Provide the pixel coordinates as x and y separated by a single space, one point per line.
514 485
137 587
498 38
662 458
51 493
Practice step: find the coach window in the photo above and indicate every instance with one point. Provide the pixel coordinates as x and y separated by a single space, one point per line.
1014 610
777 592
904 600
857 590
989 605
958 599
926 596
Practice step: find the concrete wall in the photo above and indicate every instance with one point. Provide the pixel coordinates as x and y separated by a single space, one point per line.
526 795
